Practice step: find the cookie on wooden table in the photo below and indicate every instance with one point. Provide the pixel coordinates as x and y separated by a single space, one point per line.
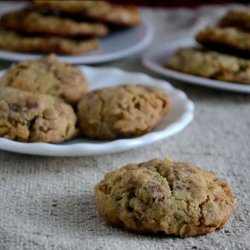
158 196
120 112
32 117
13 41
210 64
47 76
33 22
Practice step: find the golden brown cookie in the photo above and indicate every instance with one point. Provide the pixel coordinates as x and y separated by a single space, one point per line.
236 18
121 112
124 15
176 198
47 76
13 41
33 22
230 40
211 64
32 117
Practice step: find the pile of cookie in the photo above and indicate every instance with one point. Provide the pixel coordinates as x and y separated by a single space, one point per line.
63 26
225 51
48 101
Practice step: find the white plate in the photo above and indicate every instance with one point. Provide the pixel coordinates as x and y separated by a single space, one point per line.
179 117
155 60
115 46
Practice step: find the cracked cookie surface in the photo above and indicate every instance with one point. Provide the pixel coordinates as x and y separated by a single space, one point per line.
121 112
164 196
33 22
32 117
47 76
211 64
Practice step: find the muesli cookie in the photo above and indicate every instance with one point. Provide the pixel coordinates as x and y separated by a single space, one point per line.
211 64
47 76
236 18
230 40
32 117
157 196
33 22
12 41
123 15
120 112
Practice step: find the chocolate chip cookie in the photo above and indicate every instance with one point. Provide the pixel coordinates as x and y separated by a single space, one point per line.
121 112
32 117
12 41
164 196
47 76
33 22
211 64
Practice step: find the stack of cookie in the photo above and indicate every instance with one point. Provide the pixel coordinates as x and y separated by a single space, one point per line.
63 27
225 51
47 101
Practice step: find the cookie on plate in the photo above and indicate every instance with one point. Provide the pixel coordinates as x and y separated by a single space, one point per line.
236 18
122 111
230 40
33 22
12 41
164 196
210 64
47 76
122 15
32 117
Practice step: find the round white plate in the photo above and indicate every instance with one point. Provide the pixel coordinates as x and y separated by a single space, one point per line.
179 117
115 46
155 61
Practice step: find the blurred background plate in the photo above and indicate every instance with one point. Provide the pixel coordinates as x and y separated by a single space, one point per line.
117 45
156 59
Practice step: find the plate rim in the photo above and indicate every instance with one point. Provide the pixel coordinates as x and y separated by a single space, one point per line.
94 59
86 149
172 45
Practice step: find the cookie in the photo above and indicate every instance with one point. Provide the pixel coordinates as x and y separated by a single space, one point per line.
72 6
211 64
123 15
29 117
32 22
47 76
13 41
236 18
121 112
164 196
230 40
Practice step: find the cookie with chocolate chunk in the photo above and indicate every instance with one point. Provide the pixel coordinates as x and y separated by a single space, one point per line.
47 76
121 112
32 117
156 196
